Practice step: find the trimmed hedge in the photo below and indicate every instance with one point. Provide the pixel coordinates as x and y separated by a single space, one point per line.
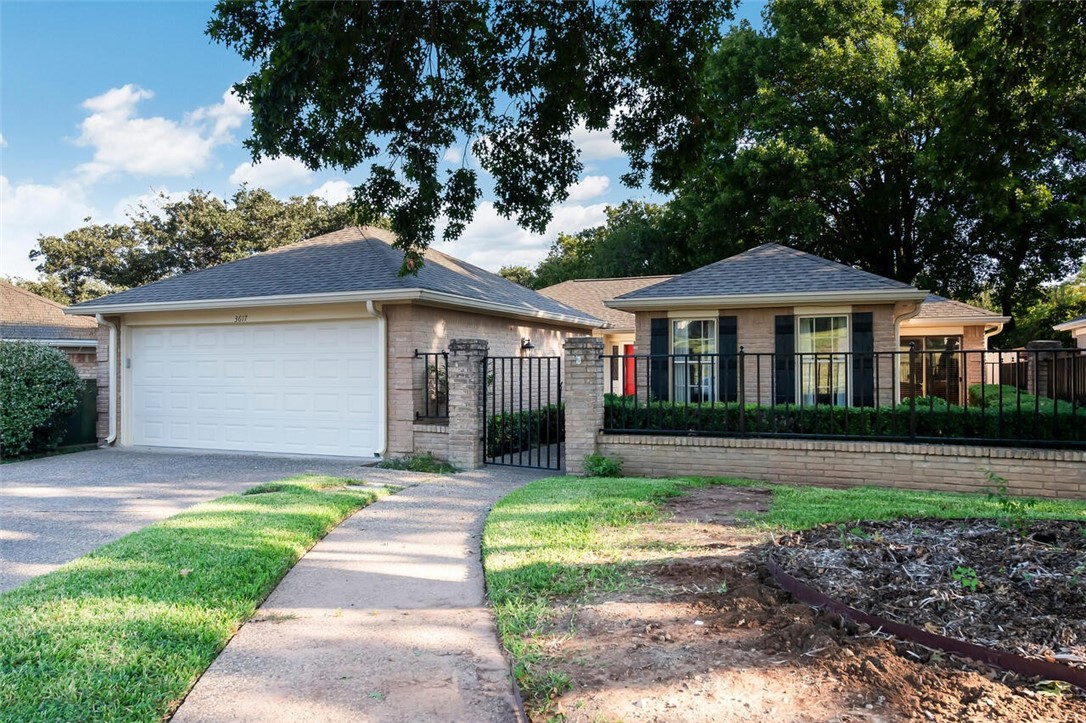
38 390
513 432
934 419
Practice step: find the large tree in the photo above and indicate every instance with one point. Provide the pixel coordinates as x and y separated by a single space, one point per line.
934 142
194 232
391 87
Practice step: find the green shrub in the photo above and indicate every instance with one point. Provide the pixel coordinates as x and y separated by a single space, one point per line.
934 419
421 462
38 389
513 432
598 465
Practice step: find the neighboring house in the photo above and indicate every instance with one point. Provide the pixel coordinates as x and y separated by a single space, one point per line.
813 331
1077 327
28 317
617 332
309 348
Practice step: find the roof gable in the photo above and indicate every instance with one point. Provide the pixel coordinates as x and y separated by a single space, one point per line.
26 315
769 269
353 260
937 307
589 296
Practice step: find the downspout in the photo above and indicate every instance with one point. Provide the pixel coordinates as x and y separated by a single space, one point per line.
989 333
112 378
382 378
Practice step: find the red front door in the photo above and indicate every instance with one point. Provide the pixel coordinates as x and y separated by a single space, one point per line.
629 371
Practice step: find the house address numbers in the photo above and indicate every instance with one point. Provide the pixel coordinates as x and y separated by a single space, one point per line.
241 318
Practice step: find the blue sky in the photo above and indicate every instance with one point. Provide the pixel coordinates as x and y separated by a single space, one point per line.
104 105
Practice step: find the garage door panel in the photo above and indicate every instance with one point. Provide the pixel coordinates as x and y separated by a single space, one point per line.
306 388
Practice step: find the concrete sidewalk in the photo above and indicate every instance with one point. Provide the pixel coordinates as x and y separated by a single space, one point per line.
383 620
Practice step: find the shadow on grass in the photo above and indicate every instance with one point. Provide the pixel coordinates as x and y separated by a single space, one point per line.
122 633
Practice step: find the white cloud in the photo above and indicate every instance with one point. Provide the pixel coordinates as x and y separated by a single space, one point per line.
3 142
334 191
126 143
595 145
452 155
491 241
31 210
271 172
589 187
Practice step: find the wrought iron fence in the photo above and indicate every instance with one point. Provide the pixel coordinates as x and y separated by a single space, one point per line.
434 384
523 412
1022 397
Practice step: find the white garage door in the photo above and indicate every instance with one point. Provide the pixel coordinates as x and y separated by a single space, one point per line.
308 388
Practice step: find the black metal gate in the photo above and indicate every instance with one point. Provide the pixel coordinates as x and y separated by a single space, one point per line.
523 411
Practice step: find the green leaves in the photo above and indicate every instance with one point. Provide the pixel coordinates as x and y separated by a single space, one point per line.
38 388
184 235
389 87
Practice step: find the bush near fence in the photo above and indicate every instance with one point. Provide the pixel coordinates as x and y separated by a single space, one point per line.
1027 419
514 432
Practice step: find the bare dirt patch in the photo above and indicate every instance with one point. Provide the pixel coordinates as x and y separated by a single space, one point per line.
705 635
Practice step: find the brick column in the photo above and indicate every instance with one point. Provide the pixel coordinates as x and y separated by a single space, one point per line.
582 391
466 402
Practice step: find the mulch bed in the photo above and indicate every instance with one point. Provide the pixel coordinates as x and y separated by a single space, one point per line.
1021 591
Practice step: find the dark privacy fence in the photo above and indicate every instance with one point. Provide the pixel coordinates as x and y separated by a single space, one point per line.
1030 397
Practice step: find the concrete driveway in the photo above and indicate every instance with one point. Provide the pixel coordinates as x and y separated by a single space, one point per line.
55 509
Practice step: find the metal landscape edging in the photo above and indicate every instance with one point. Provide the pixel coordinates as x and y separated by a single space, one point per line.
1028 667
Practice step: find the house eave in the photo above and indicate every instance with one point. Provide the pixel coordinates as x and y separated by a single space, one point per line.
436 298
1071 325
746 301
948 320
88 343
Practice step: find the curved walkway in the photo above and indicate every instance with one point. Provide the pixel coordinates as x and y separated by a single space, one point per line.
383 620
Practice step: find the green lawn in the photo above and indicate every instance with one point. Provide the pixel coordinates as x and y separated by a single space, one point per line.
124 632
563 537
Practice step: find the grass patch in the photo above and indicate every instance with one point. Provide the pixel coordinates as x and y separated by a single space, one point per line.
124 632
564 537
424 462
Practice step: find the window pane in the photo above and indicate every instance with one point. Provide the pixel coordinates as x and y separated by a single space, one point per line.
823 363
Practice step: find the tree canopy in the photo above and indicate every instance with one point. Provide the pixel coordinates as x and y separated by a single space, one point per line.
195 232
391 87
937 143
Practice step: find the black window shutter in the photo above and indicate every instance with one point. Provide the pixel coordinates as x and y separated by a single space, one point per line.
784 364
863 359
728 350
658 366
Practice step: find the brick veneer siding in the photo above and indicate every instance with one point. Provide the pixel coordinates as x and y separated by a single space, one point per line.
102 374
432 438
756 335
430 329
584 400
947 468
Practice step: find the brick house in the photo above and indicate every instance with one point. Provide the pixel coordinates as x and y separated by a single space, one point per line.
617 332
813 331
25 316
313 348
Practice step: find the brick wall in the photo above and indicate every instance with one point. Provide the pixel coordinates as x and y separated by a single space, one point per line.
430 329
948 468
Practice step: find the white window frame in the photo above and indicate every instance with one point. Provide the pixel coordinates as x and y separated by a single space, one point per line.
802 361
709 393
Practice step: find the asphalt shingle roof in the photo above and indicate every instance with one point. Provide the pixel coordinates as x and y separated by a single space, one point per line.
356 259
940 307
588 295
768 269
24 315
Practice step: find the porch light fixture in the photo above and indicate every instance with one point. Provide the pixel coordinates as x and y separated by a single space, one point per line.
526 346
